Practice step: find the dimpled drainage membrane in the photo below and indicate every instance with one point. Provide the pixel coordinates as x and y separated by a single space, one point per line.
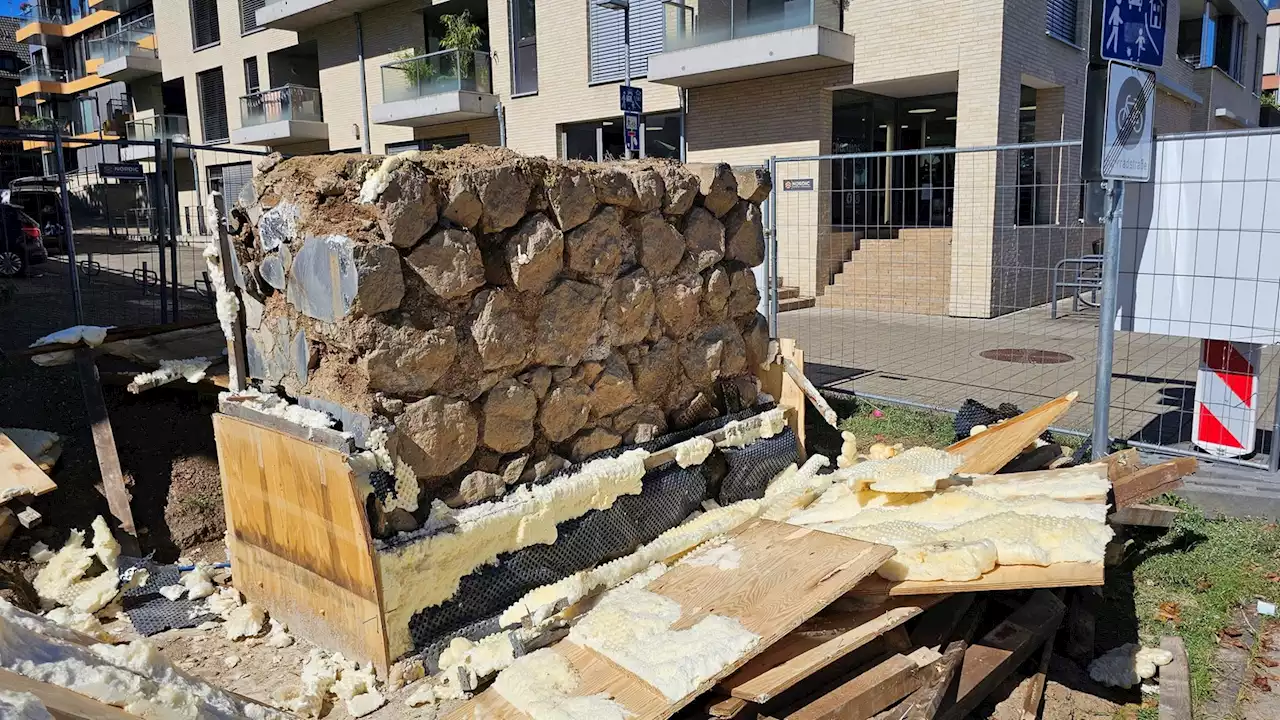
669 495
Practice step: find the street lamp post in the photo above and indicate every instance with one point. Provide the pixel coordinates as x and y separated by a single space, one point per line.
625 7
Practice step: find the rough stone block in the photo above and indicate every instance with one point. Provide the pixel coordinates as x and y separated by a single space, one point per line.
678 301
718 186
439 435
659 246
754 184
704 236
534 253
501 335
449 263
629 310
407 208
380 283
568 323
591 442
744 234
571 196
507 417
409 361
595 248
564 412
743 295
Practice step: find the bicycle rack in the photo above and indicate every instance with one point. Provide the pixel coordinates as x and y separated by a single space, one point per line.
1083 264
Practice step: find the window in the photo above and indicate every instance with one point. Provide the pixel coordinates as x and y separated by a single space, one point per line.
251 85
524 48
213 105
660 136
607 51
1060 19
444 143
1190 38
1228 46
1260 49
231 179
204 24
249 15
9 62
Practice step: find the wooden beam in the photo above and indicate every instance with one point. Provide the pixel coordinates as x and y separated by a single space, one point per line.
870 692
8 525
1151 481
992 449
1035 692
115 334
1175 682
937 625
772 672
1121 464
1145 515
236 359
1080 624
775 381
999 652
727 707
923 704
104 444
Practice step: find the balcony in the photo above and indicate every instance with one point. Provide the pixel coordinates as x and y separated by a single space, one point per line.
440 87
281 116
303 14
724 41
51 23
40 78
150 129
130 53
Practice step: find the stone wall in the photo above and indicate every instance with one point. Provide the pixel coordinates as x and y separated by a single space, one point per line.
505 314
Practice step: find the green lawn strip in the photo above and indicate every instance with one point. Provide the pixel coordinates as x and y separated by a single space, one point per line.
1208 568
897 424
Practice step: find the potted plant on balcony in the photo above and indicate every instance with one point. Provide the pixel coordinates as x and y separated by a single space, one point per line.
418 70
463 35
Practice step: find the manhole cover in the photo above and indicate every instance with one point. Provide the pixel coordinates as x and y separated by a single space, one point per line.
1026 356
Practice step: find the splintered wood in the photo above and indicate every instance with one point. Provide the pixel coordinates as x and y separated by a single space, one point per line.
784 577
20 475
993 448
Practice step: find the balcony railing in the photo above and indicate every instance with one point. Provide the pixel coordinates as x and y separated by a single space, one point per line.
435 73
41 73
719 20
291 102
36 122
51 15
158 127
124 42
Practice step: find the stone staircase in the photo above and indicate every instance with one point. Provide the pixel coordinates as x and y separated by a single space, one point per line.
789 299
910 274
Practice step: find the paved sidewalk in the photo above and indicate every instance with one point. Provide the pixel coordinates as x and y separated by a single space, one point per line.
935 361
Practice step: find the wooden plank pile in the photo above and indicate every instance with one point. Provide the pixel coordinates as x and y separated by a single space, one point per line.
878 649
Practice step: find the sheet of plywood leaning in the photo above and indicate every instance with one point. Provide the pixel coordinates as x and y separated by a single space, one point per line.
300 543
767 576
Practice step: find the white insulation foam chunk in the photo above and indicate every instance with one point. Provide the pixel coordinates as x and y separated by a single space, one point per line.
693 451
55 580
1128 665
84 622
794 491
379 457
542 684
632 627
741 433
916 470
134 677
957 506
426 573
949 561
190 369
1034 540
22 706
840 503
718 552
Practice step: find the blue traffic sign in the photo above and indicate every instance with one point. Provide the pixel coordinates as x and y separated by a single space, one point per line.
1133 31
632 99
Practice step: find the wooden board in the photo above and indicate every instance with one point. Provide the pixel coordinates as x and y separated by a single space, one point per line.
19 472
1120 464
104 445
785 576
1145 515
992 449
62 704
871 691
1175 682
300 542
1151 481
990 660
1004 577
800 654
775 381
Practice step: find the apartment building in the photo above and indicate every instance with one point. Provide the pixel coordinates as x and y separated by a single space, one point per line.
1271 71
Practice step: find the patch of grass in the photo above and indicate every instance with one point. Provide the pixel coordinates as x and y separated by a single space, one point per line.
1206 569
893 424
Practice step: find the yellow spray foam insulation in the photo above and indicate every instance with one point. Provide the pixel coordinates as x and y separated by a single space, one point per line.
55 580
1034 540
956 506
916 470
379 457
542 684
841 502
82 622
741 433
921 554
632 627
1082 482
134 677
22 706
426 573
848 449
324 675
1128 665
693 451
795 491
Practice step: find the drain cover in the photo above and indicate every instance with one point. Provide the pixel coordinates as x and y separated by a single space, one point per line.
1026 356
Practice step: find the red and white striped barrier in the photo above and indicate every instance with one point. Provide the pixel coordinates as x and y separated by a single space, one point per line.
1226 409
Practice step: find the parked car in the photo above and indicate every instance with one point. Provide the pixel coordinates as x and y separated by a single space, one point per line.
41 199
21 244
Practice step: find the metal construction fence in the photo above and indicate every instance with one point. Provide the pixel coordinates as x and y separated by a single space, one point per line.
929 277
119 248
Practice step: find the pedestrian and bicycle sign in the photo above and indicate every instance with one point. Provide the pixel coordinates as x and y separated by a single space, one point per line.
1133 31
631 99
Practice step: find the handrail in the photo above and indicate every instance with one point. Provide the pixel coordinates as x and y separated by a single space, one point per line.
437 72
287 102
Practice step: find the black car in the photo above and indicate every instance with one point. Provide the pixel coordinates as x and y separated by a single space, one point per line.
21 245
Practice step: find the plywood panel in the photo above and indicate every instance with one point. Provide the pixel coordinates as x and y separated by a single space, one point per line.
786 575
1004 577
62 704
18 473
300 542
992 449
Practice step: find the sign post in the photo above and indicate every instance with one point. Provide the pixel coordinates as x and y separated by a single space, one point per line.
1118 146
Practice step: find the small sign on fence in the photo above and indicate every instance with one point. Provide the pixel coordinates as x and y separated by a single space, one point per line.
122 171
797 184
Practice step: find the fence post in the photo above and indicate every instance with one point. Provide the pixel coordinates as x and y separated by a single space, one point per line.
771 250
162 236
1273 462
171 196
68 235
1112 223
